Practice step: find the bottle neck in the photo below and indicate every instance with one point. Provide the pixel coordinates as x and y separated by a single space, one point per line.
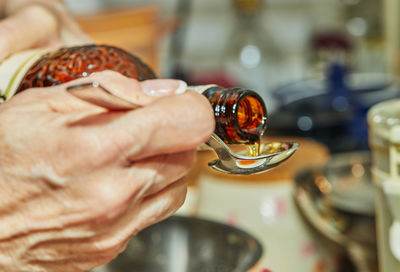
240 114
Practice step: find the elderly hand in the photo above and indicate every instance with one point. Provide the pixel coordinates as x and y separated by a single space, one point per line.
36 23
77 181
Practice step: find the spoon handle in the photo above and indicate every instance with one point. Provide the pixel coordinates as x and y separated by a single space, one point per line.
96 94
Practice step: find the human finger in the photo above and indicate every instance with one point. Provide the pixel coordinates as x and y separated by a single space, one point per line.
110 237
26 28
157 207
104 194
107 198
70 32
143 213
57 99
91 89
66 255
169 124
162 170
107 194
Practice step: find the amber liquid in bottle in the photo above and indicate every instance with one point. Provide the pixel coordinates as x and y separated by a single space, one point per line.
240 114
71 63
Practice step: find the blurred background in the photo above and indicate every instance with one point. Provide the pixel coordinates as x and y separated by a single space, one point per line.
320 65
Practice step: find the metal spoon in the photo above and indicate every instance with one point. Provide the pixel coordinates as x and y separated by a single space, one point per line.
228 161
96 94
272 154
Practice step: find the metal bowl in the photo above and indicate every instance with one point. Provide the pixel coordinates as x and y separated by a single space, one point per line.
180 244
338 201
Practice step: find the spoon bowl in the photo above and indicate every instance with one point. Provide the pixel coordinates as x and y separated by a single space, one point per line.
237 163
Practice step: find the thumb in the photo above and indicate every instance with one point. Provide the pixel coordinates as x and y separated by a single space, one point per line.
111 85
25 29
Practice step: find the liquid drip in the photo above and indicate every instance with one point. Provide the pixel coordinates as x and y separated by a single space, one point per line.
253 150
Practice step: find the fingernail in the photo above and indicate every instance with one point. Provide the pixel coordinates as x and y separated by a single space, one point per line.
161 87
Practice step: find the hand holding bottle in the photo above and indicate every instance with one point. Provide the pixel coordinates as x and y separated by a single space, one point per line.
36 23
78 180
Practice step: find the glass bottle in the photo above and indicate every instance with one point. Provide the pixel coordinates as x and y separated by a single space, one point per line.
70 63
240 114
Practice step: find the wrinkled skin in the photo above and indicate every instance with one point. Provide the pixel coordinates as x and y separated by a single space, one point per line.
37 23
77 181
